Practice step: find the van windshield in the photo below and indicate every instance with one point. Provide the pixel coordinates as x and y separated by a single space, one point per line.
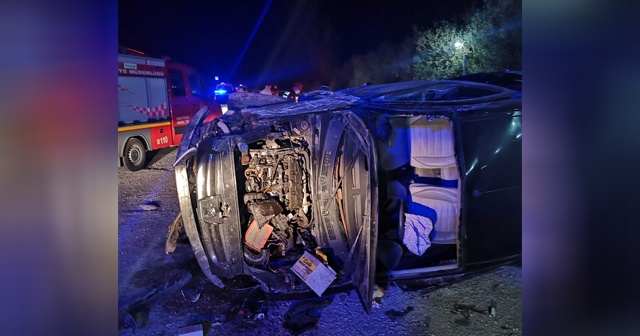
197 86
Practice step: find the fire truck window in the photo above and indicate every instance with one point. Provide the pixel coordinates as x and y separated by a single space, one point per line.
197 87
177 84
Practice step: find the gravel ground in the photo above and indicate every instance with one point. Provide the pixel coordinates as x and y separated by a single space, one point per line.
148 204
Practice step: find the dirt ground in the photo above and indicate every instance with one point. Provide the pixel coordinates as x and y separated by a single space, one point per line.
159 294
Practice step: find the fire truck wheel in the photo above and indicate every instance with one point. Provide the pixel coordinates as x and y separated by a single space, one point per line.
135 155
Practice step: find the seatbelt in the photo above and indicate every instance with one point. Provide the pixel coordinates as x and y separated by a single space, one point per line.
436 181
406 175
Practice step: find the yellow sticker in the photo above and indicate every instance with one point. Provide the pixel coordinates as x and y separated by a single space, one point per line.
308 263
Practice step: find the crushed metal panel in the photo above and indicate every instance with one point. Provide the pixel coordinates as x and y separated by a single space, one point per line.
364 248
183 189
215 178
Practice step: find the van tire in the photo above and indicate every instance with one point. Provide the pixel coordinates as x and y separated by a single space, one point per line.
135 155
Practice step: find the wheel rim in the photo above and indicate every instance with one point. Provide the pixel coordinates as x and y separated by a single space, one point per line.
134 155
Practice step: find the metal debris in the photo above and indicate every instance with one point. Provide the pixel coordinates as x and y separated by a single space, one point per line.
172 235
136 313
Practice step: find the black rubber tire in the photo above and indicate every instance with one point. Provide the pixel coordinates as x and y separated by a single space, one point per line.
135 155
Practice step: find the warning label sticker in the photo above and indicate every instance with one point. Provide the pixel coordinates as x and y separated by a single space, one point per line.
314 273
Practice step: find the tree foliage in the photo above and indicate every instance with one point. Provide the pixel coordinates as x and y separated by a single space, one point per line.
491 37
387 63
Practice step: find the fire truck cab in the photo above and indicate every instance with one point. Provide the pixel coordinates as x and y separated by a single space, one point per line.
156 100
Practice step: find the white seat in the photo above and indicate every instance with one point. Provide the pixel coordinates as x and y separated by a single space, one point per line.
431 143
446 205
431 153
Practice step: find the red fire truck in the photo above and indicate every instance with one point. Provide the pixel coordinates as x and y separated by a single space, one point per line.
156 100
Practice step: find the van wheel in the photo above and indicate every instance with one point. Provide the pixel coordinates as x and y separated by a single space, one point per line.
135 155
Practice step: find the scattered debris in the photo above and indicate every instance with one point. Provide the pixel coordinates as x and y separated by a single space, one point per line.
252 308
466 309
378 293
304 315
219 318
173 234
343 297
394 314
136 313
150 206
241 282
492 308
193 330
190 295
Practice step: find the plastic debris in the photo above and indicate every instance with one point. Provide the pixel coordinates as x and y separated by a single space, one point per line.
192 330
378 293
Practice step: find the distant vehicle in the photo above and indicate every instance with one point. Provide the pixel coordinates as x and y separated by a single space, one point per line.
508 78
156 101
342 189
222 92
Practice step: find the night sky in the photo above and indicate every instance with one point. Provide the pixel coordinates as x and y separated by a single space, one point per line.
297 40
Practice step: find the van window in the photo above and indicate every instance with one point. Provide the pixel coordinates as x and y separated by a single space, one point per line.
197 87
177 84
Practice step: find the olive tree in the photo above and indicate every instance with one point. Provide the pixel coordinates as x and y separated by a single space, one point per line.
489 40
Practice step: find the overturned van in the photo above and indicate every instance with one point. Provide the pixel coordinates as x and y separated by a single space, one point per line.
342 189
